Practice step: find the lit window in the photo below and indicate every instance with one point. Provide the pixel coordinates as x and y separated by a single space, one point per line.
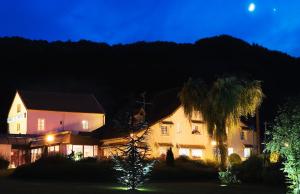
164 130
95 150
18 108
242 135
85 124
184 152
78 151
69 149
162 151
88 151
247 152
56 148
230 151
41 124
197 153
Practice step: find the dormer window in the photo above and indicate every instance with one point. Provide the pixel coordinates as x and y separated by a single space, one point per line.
18 108
164 129
85 124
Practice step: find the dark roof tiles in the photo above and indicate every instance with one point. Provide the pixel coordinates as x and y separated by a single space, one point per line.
65 102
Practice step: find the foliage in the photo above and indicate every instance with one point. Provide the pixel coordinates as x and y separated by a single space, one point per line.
55 159
284 140
185 170
228 177
234 159
250 170
170 157
221 105
3 163
88 160
50 168
132 164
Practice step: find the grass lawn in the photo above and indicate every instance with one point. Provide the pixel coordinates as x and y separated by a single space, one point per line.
8 186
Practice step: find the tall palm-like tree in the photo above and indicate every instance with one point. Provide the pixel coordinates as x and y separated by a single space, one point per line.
221 105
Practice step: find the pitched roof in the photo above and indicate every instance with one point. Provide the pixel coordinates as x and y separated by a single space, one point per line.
163 105
65 102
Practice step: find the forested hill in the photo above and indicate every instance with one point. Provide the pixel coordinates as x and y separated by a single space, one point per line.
116 72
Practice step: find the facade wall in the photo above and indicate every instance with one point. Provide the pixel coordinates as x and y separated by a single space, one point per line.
59 121
182 140
5 151
17 117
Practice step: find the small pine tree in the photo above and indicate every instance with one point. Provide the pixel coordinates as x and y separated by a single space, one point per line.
132 164
170 157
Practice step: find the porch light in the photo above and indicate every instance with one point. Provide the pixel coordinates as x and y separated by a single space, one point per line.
213 143
49 138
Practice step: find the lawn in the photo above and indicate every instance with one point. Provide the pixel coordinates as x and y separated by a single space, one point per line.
41 187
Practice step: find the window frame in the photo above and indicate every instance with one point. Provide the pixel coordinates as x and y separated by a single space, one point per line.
166 130
85 124
41 125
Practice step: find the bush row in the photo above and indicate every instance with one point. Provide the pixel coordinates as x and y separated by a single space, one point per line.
90 169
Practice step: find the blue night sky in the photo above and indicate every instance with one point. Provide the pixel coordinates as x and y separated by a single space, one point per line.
274 24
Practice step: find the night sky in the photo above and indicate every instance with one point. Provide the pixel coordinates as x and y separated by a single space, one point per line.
274 24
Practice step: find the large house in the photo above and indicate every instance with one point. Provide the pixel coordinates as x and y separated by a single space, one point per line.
46 123
170 128
52 122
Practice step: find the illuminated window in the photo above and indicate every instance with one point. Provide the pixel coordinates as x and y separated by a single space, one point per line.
36 154
41 124
230 151
197 153
184 152
247 152
88 151
85 124
164 130
18 108
69 149
162 151
95 150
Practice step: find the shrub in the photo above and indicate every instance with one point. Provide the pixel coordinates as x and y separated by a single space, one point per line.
88 160
53 160
3 163
284 140
170 158
227 177
234 159
184 170
272 174
250 170
183 159
66 169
